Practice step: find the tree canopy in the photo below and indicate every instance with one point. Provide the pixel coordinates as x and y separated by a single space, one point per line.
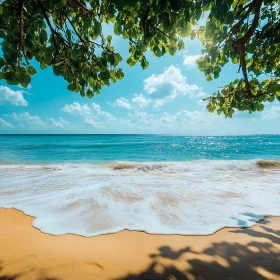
67 35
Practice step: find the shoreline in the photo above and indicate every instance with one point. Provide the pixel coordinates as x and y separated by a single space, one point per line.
141 231
229 253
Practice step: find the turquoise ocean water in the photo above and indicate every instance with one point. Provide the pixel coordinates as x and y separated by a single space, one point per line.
98 184
152 148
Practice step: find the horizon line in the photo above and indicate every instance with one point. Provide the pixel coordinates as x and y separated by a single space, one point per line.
151 134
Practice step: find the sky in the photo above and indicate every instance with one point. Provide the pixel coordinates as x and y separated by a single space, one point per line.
166 98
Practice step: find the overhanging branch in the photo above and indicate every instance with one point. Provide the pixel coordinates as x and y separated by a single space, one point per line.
81 6
54 33
240 43
20 44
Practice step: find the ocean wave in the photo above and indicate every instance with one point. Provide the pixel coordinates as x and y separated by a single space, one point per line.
173 167
195 197
199 165
138 166
268 163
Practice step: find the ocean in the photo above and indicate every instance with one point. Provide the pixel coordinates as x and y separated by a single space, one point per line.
98 184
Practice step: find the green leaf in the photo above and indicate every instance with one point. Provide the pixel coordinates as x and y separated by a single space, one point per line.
2 62
161 7
71 87
176 5
60 3
24 80
89 93
31 70
209 78
81 54
144 63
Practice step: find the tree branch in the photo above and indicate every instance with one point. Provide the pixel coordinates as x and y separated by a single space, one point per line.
21 45
230 95
81 6
162 32
83 40
145 20
240 43
54 33
243 40
236 7
232 30
75 30
244 69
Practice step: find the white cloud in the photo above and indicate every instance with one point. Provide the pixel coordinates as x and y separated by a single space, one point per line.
188 117
190 60
202 103
140 101
93 115
14 97
5 124
196 122
142 119
59 123
98 112
165 87
77 109
123 102
272 113
201 94
90 121
26 117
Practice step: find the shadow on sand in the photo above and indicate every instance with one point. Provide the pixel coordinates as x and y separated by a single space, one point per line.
258 260
17 276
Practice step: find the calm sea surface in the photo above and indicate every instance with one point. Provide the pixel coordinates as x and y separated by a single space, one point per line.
98 148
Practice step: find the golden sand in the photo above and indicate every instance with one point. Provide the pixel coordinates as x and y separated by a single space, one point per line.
229 254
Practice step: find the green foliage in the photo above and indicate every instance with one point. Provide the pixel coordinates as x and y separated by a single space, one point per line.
67 36
246 33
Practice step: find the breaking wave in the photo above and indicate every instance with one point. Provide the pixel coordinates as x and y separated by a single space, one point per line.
191 197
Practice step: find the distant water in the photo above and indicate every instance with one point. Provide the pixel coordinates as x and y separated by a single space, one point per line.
96 184
104 148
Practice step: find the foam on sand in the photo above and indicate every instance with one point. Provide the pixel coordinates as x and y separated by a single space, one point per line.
195 197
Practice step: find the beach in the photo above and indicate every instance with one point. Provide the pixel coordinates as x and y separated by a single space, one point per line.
231 253
139 207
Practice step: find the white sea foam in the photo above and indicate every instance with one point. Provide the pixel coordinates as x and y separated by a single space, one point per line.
197 197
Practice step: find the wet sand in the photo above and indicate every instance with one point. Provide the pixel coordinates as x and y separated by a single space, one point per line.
230 254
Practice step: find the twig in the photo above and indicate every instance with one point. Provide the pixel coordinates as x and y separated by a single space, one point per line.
21 45
83 40
54 33
145 19
240 43
162 32
230 95
81 6
251 6
236 7
248 35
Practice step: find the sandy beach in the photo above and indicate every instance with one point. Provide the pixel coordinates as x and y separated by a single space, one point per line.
231 253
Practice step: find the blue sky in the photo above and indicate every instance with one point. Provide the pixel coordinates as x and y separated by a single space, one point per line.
166 98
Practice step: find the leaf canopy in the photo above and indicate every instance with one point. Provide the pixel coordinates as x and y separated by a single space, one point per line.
67 35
